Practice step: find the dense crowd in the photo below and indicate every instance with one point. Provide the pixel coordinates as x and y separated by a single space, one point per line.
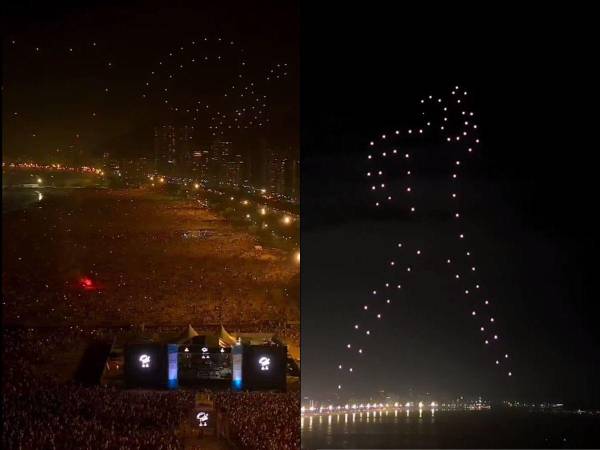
61 416
42 412
130 245
102 264
261 420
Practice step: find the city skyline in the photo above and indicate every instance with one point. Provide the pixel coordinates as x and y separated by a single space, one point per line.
112 88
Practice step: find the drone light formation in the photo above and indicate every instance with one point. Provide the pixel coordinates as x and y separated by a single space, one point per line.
174 84
443 122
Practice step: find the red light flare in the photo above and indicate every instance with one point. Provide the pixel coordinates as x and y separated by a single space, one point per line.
87 283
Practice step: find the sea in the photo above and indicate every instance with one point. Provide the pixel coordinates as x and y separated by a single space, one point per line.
502 428
14 199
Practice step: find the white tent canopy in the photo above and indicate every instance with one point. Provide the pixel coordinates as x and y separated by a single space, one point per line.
188 334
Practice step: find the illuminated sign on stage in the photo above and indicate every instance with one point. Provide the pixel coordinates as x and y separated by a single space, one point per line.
145 360
202 418
266 368
264 363
205 354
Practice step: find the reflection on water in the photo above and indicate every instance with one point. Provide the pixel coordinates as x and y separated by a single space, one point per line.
366 417
435 428
17 199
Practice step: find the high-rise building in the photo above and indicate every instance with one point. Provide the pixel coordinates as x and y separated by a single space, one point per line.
294 179
199 164
173 149
234 171
277 170
220 155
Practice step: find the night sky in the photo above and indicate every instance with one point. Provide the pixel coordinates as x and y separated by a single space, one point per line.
66 55
530 196
531 192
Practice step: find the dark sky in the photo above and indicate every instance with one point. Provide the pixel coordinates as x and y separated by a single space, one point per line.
56 91
530 199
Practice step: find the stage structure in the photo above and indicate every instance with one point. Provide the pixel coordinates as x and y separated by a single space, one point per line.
215 361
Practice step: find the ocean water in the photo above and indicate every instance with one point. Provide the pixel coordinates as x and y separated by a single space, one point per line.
17 199
501 428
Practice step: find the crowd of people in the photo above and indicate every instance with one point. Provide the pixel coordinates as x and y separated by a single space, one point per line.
95 265
106 258
261 420
61 416
41 411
